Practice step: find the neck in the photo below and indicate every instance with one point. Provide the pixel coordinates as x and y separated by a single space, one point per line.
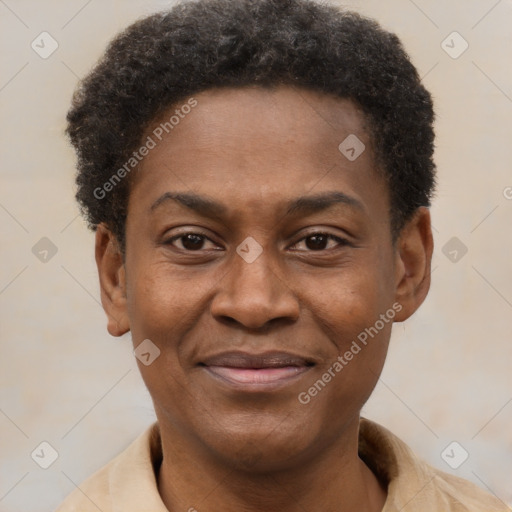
334 478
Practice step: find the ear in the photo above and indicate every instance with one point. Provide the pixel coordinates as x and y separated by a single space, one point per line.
414 249
111 272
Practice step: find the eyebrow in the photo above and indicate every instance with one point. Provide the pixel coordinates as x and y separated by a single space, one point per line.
305 205
195 202
319 202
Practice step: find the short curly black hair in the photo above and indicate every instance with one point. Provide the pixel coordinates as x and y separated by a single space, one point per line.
164 58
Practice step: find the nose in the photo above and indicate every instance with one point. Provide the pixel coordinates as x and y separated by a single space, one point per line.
254 294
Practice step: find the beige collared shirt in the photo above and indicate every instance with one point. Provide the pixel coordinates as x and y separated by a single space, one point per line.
128 482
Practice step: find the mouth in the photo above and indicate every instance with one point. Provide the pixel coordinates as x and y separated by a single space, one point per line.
257 372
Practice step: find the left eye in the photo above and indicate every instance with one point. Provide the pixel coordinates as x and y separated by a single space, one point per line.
318 241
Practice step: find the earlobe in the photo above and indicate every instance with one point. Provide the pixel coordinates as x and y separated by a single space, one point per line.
111 272
414 250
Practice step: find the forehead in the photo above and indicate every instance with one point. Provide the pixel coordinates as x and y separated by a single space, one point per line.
262 145
281 116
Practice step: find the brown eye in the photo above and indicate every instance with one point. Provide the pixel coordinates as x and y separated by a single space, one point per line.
316 242
189 241
192 242
320 241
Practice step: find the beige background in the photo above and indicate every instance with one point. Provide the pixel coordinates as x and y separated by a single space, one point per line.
64 380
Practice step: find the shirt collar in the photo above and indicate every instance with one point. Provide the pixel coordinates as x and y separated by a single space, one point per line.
412 485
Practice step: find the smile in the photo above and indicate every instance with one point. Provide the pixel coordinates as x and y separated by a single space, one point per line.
257 372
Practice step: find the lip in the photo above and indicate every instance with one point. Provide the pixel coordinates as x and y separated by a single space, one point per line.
257 372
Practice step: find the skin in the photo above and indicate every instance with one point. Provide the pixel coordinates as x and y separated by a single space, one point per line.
254 150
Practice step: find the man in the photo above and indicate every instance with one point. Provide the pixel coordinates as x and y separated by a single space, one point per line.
259 174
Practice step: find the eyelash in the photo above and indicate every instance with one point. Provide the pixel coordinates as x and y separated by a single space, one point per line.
341 241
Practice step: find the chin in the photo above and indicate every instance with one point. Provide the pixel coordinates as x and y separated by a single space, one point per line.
261 450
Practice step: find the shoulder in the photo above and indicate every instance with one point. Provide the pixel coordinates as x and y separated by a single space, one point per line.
412 484
459 495
92 494
126 478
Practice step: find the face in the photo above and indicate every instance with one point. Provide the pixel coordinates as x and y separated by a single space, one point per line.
259 261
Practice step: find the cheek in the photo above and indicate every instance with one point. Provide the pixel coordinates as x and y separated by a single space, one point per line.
355 312
161 308
351 300
161 301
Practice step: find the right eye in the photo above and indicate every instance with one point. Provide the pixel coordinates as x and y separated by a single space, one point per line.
189 241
